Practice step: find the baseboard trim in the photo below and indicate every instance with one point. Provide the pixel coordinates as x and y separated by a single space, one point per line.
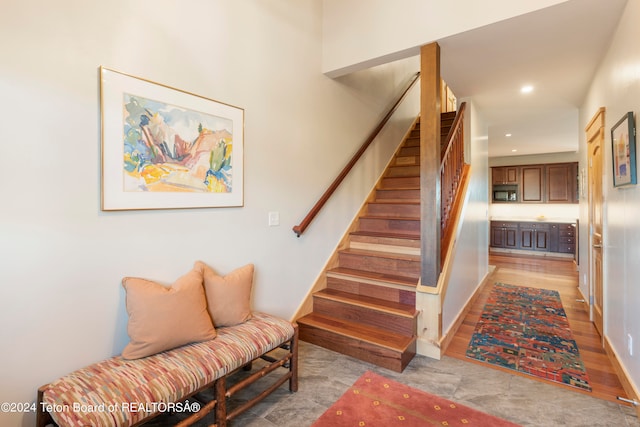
628 385
453 329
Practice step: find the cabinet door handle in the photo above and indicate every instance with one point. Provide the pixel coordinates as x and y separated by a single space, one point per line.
597 246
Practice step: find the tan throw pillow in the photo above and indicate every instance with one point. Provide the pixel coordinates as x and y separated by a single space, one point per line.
162 318
228 297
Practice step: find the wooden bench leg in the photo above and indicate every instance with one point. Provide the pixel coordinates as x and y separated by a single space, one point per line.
293 363
221 406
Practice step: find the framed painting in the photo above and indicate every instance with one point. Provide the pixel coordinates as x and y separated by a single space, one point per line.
164 148
623 151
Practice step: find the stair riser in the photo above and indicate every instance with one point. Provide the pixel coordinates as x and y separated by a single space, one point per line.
402 245
403 170
412 142
415 133
381 292
382 194
364 351
409 151
398 226
367 316
410 210
400 182
379 264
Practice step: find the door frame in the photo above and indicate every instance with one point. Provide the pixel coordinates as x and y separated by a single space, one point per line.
595 130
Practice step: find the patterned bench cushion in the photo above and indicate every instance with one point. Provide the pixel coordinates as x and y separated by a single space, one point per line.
119 392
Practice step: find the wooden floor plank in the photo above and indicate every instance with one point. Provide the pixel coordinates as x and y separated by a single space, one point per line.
560 275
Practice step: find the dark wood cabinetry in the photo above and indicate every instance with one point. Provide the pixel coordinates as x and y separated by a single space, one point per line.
534 236
568 239
504 235
505 175
532 180
544 183
562 183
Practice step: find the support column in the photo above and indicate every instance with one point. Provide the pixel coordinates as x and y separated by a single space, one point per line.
430 162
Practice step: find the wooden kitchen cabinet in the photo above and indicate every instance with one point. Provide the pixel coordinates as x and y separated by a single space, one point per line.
504 175
534 236
554 237
543 183
504 235
562 183
568 239
532 183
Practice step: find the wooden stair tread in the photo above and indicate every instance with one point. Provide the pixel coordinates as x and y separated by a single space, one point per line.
400 188
385 234
393 200
370 334
405 158
377 304
391 218
380 254
381 279
388 202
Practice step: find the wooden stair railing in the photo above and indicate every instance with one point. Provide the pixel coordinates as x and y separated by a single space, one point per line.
451 171
300 228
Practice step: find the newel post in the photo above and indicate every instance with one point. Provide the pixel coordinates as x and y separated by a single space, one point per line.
430 198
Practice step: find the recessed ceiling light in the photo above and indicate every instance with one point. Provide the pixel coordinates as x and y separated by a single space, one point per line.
507 135
514 150
526 89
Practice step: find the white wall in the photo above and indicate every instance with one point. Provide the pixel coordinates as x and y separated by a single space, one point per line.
61 301
361 33
471 260
616 87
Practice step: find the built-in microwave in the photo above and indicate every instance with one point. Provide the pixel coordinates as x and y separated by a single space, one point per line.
505 193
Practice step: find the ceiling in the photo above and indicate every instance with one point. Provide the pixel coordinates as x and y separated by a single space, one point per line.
556 50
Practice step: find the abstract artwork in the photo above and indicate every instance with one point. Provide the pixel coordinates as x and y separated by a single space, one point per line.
623 151
164 148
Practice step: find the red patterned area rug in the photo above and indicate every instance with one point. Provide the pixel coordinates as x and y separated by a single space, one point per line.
526 329
376 401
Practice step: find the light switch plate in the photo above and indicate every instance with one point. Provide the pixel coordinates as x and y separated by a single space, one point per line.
274 219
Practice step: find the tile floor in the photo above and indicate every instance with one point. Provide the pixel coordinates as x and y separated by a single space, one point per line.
325 375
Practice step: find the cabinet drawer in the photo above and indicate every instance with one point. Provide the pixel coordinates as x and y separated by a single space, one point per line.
504 224
566 248
534 225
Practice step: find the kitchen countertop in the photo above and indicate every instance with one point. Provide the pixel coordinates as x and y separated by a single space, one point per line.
535 219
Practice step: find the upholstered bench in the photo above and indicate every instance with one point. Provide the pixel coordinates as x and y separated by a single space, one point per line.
120 392
185 339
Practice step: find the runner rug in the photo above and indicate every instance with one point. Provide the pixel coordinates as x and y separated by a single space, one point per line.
376 401
526 329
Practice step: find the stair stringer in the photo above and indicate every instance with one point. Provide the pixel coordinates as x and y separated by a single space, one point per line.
431 341
306 306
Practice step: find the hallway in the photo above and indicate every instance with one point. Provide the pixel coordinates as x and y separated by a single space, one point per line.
556 274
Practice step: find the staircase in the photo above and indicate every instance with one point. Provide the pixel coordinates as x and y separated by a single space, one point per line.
446 121
368 309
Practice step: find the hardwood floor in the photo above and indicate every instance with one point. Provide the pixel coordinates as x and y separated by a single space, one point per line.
560 275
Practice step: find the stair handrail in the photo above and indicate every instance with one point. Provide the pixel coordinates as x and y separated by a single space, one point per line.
451 170
300 228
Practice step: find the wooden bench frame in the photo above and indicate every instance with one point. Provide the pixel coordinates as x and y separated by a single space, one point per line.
222 392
